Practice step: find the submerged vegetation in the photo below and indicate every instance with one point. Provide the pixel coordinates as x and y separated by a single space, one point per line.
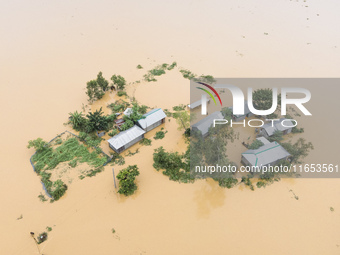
176 166
158 71
126 177
72 151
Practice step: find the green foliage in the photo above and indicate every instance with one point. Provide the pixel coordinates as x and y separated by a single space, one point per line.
113 230
119 81
298 150
172 66
121 93
49 229
117 159
113 132
70 150
145 141
73 163
38 144
276 137
129 154
182 119
42 198
58 141
57 190
42 237
127 124
332 209
255 145
97 121
118 106
227 113
180 107
135 115
226 182
187 74
159 135
126 179
175 166
139 67
158 71
247 182
96 88
297 130
263 99
187 133
205 78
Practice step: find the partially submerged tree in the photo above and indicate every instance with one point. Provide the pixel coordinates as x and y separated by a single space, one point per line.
276 137
77 120
96 88
38 144
255 145
298 150
119 81
126 179
97 121
263 99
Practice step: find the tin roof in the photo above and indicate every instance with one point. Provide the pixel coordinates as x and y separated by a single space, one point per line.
125 137
266 154
204 124
151 117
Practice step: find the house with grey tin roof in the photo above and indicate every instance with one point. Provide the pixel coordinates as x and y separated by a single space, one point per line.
270 128
152 119
126 139
204 124
270 153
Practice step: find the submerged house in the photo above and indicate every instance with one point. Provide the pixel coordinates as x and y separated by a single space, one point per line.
204 124
152 119
270 153
269 129
247 113
126 139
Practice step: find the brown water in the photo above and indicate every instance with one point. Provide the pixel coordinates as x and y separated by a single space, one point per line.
48 52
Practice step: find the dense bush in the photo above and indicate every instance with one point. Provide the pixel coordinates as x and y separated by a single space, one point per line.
126 179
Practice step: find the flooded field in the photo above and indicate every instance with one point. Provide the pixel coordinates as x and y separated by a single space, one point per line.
50 50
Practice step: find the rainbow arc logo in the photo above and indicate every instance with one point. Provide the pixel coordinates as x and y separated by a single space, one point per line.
209 93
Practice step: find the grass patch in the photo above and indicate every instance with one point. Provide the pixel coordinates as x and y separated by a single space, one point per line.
49 229
139 67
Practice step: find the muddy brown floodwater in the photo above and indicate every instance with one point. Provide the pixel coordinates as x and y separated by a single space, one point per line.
49 50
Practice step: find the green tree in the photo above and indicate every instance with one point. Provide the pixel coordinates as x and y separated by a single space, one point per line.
255 145
182 119
227 113
38 144
96 88
276 137
77 120
298 150
126 179
102 82
97 121
119 81
263 99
